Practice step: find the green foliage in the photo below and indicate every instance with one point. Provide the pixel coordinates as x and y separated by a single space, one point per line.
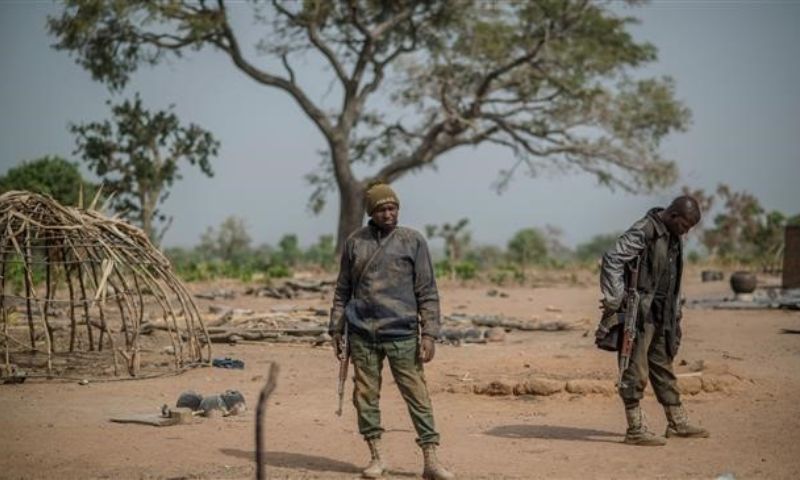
528 247
744 231
278 271
594 249
485 257
455 241
322 253
49 175
466 270
231 243
137 156
289 252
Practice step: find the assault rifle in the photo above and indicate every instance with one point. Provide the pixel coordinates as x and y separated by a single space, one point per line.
631 315
344 360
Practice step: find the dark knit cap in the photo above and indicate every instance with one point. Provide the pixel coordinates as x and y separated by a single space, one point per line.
377 195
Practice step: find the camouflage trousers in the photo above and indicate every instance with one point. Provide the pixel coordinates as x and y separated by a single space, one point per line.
650 360
406 367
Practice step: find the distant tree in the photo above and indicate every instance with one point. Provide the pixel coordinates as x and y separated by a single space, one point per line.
548 80
289 252
744 231
49 175
455 241
596 247
322 253
528 247
556 250
485 257
137 156
230 243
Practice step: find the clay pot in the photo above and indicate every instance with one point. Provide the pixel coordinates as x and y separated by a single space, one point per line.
743 282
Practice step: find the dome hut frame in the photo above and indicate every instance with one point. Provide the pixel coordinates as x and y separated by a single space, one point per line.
76 284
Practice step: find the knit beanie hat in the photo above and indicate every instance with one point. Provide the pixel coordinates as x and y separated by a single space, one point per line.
378 194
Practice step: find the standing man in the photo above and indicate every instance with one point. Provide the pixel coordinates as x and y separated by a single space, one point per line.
656 241
386 294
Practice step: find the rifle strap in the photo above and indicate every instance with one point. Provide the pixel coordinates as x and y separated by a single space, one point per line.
372 257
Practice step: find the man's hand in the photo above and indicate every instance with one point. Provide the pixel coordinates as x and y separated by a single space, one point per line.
427 349
336 339
607 312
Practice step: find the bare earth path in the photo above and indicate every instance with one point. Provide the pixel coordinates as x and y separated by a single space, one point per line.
61 430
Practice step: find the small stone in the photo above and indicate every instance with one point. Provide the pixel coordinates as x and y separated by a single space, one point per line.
690 385
168 350
496 334
552 308
495 388
714 383
492 293
585 387
538 386
83 382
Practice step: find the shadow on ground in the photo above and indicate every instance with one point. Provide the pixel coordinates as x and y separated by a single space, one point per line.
301 461
554 432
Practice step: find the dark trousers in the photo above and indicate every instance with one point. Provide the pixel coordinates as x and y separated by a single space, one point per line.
650 360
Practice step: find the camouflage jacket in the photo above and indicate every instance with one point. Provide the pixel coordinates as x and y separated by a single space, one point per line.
395 296
650 238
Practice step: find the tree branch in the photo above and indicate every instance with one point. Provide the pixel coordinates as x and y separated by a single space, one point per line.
234 51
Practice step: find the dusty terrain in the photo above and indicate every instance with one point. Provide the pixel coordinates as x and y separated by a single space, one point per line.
62 429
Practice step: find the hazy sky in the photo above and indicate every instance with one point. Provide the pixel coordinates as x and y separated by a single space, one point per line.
736 65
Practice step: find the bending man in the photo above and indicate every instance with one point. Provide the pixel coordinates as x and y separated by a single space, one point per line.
656 241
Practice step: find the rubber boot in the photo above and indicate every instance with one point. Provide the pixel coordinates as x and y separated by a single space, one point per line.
377 465
434 470
637 433
678 424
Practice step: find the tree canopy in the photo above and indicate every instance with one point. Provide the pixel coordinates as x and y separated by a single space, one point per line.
548 80
137 156
49 175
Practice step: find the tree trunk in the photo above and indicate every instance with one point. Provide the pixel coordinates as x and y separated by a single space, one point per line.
351 212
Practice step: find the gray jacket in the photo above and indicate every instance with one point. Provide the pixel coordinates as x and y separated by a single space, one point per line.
395 296
650 238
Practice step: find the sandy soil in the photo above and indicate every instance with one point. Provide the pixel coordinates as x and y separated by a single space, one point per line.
62 430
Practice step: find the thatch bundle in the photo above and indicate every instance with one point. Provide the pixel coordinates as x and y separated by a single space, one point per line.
86 281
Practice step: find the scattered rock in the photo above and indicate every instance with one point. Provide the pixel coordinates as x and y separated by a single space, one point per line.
690 385
214 294
460 388
496 334
714 383
585 387
551 308
538 386
495 388
492 293
219 309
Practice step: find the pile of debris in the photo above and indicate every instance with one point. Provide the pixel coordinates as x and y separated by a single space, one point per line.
282 324
295 289
458 328
761 299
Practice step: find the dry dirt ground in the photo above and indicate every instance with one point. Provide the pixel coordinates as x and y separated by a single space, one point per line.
62 430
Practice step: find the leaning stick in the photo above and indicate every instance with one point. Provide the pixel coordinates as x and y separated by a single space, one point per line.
272 382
